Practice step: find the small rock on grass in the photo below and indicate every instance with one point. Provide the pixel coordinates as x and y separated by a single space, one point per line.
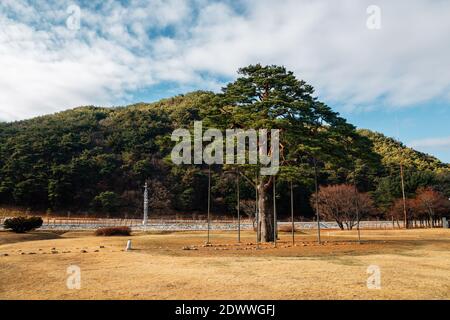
189 248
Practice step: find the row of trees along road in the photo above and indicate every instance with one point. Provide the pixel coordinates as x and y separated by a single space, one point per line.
425 209
345 205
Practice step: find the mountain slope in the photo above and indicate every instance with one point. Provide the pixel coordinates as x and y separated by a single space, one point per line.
96 159
393 152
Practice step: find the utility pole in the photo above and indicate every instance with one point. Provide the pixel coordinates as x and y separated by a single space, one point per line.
292 215
144 222
257 211
357 213
357 223
317 202
209 203
356 203
404 196
275 227
402 180
238 205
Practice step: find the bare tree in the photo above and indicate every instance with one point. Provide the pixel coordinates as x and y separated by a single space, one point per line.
396 211
432 203
426 208
341 204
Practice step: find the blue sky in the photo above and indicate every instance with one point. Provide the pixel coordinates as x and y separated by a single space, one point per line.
395 79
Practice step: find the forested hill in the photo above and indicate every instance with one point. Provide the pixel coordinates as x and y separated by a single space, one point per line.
96 159
393 152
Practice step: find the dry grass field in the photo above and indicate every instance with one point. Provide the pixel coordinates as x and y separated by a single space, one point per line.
414 264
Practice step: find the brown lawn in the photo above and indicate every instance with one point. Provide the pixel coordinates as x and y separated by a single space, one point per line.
414 264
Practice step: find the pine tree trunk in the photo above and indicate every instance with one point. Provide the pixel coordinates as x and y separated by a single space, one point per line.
265 212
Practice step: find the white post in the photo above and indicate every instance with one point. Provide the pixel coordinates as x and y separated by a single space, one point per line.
144 222
128 248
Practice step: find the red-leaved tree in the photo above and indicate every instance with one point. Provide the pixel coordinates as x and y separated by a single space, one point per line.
343 204
432 204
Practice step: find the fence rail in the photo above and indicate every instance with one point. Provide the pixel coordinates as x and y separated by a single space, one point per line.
187 224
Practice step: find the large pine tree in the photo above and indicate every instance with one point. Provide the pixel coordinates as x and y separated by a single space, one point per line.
270 97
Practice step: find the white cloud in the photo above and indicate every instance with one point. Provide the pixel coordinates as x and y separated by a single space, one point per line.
44 67
442 143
